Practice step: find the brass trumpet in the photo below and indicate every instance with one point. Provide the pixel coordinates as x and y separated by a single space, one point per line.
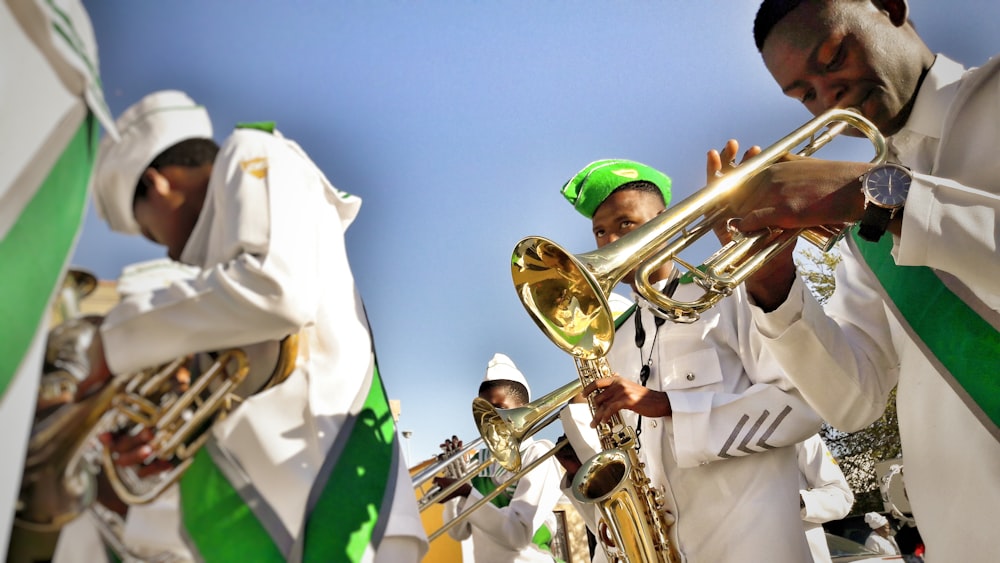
566 295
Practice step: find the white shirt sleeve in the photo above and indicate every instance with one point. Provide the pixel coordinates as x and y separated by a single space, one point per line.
826 494
841 358
535 495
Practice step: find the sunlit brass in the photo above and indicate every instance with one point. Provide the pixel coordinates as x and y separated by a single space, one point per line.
181 421
566 294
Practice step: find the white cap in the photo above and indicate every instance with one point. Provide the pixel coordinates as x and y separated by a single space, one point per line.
150 126
875 520
502 367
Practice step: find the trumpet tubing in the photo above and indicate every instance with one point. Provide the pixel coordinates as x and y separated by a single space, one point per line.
566 294
497 491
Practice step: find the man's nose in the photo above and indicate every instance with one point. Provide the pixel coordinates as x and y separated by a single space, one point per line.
832 93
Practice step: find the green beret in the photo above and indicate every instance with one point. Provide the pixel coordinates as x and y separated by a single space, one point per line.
592 185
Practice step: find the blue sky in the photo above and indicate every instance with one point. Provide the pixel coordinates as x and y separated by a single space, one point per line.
457 123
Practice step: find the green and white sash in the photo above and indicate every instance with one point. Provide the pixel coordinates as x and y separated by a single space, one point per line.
226 519
485 484
52 104
959 338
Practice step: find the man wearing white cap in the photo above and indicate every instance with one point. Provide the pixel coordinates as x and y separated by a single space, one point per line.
310 468
517 526
880 540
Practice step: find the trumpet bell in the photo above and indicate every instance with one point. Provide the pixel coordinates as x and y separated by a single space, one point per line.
566 295
563 297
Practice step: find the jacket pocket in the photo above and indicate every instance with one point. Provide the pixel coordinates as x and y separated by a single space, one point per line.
693 369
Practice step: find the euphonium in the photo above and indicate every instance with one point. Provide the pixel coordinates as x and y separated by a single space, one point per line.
61 465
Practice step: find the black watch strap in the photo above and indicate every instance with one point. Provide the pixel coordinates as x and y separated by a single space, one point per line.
874 222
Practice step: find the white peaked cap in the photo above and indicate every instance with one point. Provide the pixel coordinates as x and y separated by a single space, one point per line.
150 126
875 520
502 367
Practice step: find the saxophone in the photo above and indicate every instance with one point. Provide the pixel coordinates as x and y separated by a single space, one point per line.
635 526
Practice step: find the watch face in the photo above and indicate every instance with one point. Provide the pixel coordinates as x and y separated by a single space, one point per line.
888 185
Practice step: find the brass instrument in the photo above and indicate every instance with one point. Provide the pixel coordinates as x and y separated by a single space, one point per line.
567 295
180 420
428 470
441 464
636 525
497 491
61 465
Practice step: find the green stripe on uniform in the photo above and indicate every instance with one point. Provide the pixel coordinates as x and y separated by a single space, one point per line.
967 345
345 516
223 528
218 522
35 250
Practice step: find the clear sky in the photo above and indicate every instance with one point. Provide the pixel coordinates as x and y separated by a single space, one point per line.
457 122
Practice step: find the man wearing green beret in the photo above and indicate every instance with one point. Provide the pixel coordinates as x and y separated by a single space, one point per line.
717 422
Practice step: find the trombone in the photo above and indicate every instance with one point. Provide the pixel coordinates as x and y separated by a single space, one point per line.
502 430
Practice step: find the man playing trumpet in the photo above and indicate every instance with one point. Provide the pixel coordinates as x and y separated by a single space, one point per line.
716 421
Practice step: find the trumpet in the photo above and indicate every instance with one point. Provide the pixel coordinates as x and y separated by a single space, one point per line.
566 294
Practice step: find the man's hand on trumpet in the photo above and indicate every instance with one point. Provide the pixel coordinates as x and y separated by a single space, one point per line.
798 192
618 393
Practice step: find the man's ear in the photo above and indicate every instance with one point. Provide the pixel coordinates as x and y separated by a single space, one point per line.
898 10
155 182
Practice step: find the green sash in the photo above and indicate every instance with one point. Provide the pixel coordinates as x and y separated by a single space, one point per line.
485 485
959 340
341 525
35 249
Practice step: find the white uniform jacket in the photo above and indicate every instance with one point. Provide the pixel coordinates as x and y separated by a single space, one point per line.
848 358
502 535
883 546
726 456
270 246
826 496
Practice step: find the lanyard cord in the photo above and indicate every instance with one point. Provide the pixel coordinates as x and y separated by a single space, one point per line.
640 340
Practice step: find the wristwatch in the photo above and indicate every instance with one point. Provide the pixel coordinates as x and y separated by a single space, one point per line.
885 187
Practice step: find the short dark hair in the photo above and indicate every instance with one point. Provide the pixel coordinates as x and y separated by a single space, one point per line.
768 15
637 186
190 152
511 388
